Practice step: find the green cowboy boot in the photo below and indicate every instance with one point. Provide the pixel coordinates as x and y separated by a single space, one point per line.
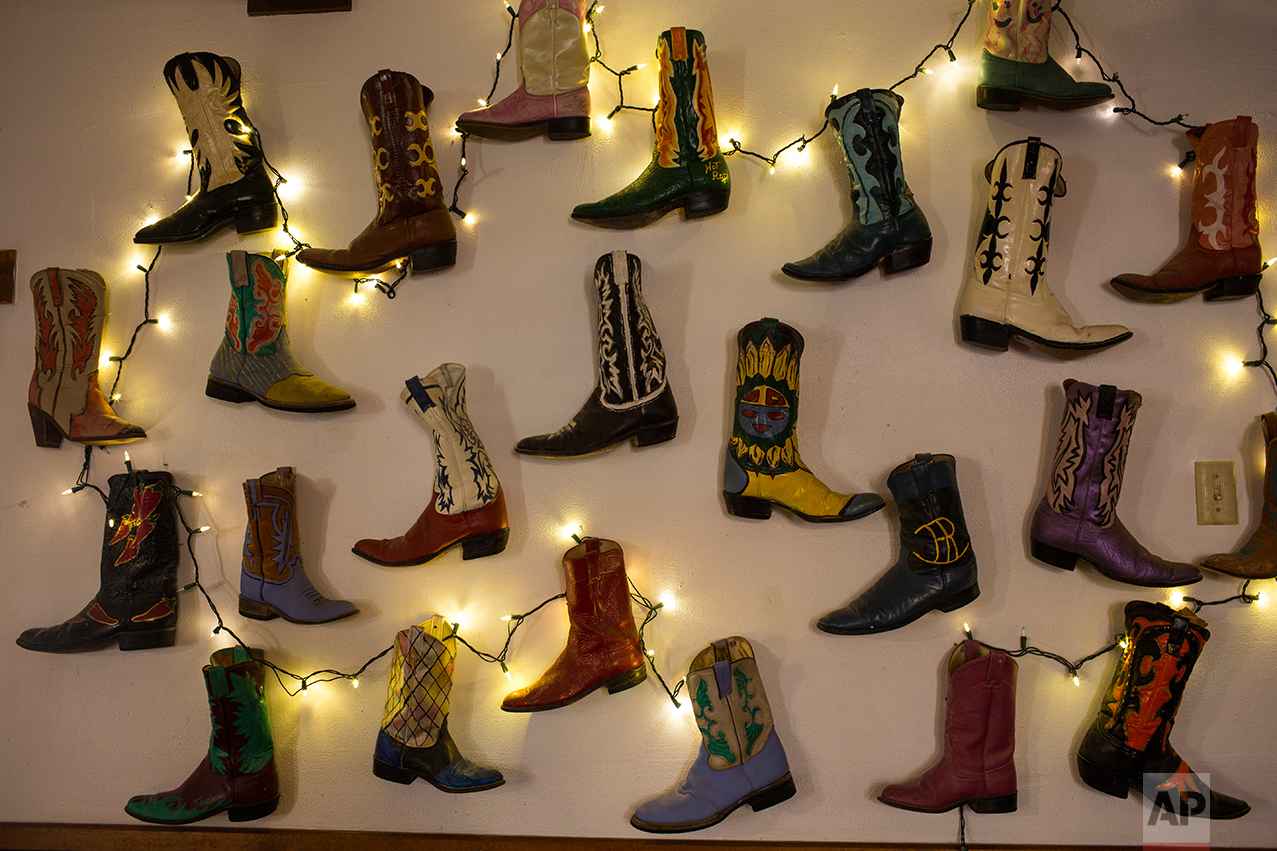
687 168
254 361
888 229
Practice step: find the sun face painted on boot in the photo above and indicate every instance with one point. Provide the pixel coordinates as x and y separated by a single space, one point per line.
1000 34
631 364
223 140
417 701
1018 30
767 387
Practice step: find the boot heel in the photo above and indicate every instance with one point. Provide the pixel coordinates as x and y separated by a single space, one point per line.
958 600
655 434
256 609
629 679
1052 555
227 392
782 790
46 429
487 544
253 811
563 129
1102 779
1237 286
145 639
1003 99
985 332
707 202
437 256
908 256
254 219
393 773
997 804
747 506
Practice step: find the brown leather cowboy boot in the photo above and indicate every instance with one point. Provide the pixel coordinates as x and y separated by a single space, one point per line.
1257 559
412 220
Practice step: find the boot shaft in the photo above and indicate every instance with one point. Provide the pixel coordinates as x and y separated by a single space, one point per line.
1223 206
868 126
139 547
420 683
980 710
394 105
598 596
464 477
241 742
553 55
763 436
207 90
729 703
1024 178
631 365
686 133
70 313
1086 475
255 315
1162 646
933 529
1018 30
270 539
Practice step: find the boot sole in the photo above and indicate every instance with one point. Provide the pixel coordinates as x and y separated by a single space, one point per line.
997 336
613 684
245 812
142 639
1009 100
648 435
994 804
769 796
756 508
910 255
427 258
951 603
50 435
1220 289
557 129
696 205
260 610
395 774
216 388
474 546
1066 560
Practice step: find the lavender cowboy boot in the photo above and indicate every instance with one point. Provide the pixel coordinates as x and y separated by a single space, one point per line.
1077 519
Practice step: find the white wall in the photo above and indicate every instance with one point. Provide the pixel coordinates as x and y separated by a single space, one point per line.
88 137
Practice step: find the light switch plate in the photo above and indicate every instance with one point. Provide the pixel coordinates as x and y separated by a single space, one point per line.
1216 487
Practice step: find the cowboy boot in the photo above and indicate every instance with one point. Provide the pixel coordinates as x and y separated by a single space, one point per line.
687 169
467 507
1129 742
254 361
740 760
414 740
762 467
936 568
1015 64
1257 558
1077 521
64 399
1222 259
238 773
554 66
1006 293
889 229
632 399
234 185
136 602
412 221
603 643
977 767
272 580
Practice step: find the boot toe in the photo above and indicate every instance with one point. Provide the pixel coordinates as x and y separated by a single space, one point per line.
307 393
462 775
861 504
1226 806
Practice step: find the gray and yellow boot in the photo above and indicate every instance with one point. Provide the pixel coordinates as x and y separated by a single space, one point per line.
254 361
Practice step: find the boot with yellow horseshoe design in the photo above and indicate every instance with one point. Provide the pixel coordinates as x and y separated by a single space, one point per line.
936 568
412 221
762 467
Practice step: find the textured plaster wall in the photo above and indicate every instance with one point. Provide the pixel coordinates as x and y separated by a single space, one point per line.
89 138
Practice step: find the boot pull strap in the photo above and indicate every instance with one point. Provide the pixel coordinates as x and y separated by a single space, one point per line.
254 496
1031 158
1241 131
1175 638
1269 421
417 393
620 268
591 545
238 261
1108 398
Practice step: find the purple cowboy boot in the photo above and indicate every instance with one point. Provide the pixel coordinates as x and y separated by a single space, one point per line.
1077 519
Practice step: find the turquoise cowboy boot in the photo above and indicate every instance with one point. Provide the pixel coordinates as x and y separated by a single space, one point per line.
888 229
687 169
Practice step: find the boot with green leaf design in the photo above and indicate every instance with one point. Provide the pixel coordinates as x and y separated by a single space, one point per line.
238 773
687 169
741 760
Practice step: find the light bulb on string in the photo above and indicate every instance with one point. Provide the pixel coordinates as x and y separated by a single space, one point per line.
1077 680
68 491
1177 599
966 629
354 682
203 528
